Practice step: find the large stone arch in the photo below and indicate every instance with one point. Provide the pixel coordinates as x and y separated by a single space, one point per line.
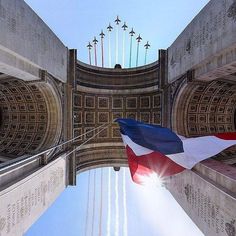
103 94
203 108
31 116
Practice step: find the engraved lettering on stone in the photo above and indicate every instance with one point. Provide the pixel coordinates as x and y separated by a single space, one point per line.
8 218
230 228
206 35
2 12
187 191
2 223
188 46
19 209
207 211
172 62
231 13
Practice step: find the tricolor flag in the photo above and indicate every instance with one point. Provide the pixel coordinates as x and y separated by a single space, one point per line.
155 149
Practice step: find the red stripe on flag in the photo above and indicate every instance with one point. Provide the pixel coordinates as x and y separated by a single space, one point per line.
226 136
144 166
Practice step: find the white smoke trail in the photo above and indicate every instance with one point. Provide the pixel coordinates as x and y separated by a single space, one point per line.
90 60
145 60
137 54
117 43
109 204
95 54
102 52
101 199
87 208
123 61
125 229
109 48
130 52
116 205
94 200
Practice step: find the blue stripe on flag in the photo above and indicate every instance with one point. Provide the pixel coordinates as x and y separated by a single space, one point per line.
154 137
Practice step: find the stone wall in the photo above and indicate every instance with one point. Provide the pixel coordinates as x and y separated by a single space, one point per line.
27 44
207 43
207 194
24 202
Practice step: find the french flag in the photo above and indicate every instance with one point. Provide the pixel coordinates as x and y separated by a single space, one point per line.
153 149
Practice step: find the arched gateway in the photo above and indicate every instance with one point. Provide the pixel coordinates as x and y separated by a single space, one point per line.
102 95
47 98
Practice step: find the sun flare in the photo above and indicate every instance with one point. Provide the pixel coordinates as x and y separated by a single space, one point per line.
152 180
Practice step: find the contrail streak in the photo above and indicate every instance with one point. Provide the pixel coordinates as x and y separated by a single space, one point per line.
124 31
123 61
100 218
94 199
132 33
109 48
145 60
109 204
89 46
138 42
125 229
102 52
95 55
130 52
117 43
117 206
109 28
137 54
87 208
90 61
147 45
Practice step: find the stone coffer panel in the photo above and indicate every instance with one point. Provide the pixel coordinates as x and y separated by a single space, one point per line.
102 95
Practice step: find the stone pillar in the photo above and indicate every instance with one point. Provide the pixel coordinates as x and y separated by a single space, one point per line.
163 86
207 194
24 201
68 112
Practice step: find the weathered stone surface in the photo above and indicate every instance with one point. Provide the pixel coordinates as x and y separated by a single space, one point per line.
24 202
211 206
206 44
27 44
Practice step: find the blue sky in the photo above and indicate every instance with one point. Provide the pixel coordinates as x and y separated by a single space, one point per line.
150 211
76 22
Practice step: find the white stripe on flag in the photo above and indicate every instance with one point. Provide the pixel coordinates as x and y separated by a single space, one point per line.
195 149
137 149
201 148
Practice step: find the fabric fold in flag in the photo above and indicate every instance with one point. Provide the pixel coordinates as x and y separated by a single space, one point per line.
153 149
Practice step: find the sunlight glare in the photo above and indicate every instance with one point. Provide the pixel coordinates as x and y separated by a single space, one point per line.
152 180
